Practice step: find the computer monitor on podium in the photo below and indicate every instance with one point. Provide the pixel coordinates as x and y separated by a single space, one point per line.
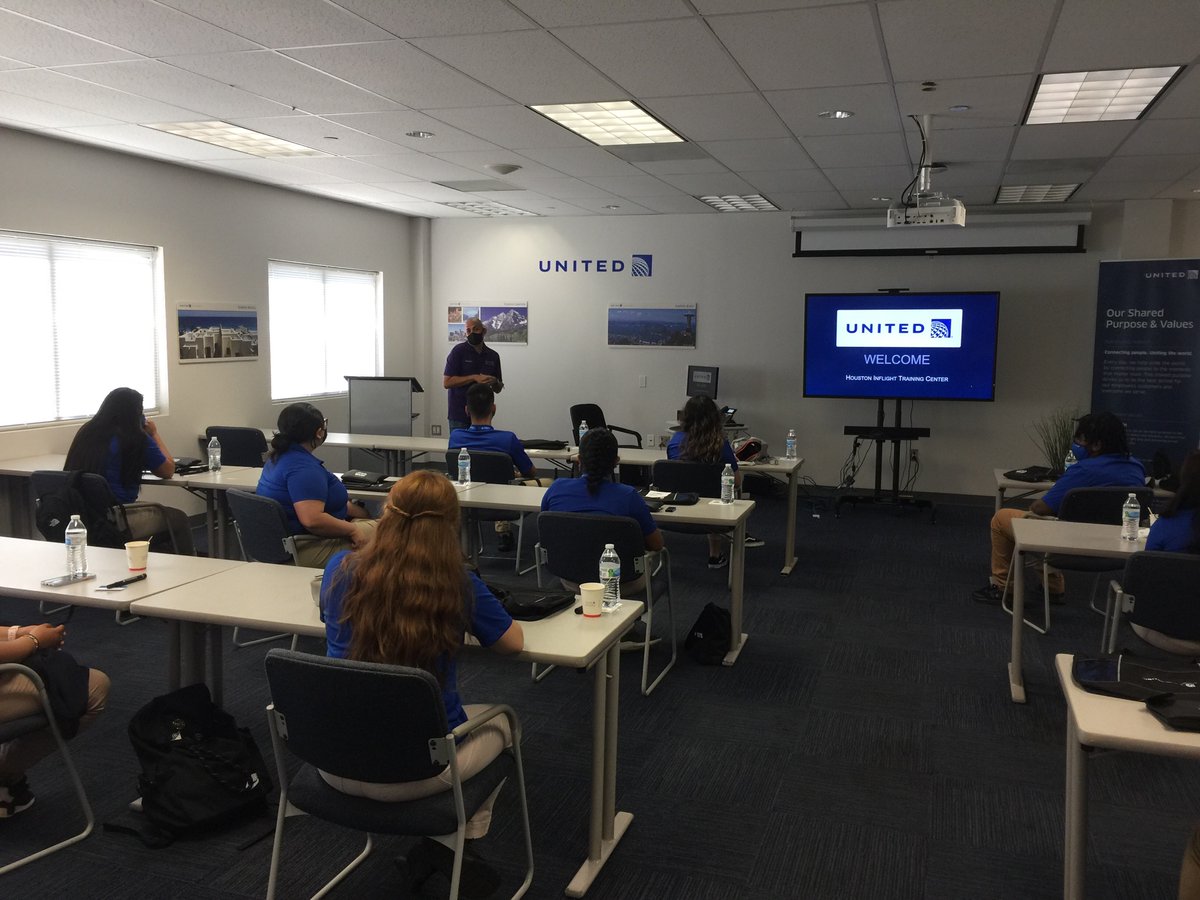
702 381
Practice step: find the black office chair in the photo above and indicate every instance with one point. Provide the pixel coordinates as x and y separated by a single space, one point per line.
490 467
595 419
240 446
262 531
570 546
1099 506
1159 591
692 477
382 724
16 728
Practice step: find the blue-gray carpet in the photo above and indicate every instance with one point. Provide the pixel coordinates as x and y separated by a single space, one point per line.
863 746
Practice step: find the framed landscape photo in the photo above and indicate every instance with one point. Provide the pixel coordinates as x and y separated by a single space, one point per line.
652 326
214 332
506 323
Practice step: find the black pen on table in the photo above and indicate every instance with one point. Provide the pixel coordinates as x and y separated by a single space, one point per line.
124 581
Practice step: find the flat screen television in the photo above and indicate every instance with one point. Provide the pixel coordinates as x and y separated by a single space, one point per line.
919 346
702 381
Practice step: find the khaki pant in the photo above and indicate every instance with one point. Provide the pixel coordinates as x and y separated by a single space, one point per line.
315 551
19 698
1003 545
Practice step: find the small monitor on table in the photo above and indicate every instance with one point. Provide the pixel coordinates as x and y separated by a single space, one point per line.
702 381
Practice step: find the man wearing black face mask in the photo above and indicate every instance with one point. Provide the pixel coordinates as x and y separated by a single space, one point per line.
472 362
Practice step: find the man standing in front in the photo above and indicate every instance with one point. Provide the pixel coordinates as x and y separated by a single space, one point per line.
469 363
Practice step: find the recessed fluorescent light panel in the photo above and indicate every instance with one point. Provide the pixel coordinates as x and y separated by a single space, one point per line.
233 137
606 124
1106 96
739 203
482 208
1036 193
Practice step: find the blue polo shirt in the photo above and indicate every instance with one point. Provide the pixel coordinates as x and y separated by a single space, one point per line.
1109 470
489 621
1174 534
464 359
152 458
612 499
678 441
298 475
485 437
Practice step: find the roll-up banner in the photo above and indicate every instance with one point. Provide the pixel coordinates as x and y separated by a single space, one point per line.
1147 347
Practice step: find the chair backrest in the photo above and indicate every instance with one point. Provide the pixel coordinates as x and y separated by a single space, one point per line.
240 446
366 721
1166 590
1100 505
262 527
486 465
688 475
96 501
589 411
572 543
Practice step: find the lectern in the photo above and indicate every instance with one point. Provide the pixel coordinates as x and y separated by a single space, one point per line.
380 405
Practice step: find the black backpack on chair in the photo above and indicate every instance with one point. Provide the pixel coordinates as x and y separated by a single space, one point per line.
61 495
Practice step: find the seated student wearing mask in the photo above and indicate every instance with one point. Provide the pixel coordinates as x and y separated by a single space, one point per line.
1102 450
318 508
480 435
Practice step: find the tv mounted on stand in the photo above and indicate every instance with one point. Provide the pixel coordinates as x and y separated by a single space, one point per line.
900 346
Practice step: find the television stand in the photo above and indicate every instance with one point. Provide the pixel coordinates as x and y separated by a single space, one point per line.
894 434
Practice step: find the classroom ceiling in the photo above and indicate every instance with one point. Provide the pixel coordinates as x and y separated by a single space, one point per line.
742 80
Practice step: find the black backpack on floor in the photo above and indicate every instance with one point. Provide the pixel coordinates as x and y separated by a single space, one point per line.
711 636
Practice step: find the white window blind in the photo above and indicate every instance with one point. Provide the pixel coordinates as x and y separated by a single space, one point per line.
324 325
81 319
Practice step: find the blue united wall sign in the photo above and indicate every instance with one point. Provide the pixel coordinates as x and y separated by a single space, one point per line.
640 265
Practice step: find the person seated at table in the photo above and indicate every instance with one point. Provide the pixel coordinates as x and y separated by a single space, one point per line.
407 599
119 443
1177 530
480 435
19 698
701 437
1102 449
318 507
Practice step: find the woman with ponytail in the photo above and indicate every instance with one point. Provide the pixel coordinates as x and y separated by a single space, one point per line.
318 508
595 492
406 599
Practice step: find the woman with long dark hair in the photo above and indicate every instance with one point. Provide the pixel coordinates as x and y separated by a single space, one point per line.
317 505
407 599
701 437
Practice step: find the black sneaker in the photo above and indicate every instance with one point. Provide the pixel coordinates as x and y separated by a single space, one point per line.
507 544
436 861
752 541
15 798
718 562
989 594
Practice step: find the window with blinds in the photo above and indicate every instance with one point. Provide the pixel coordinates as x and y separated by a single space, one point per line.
82 318
324 325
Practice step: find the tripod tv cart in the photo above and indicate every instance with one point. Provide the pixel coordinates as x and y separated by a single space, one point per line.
881 433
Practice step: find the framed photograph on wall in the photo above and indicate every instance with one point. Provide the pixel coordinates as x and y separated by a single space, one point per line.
506 323
216 332
652 326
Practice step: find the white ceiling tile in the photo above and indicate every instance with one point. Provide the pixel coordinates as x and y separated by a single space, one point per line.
277 172
425 209
1107 191
16 109
555 13
368 192
420 18
1151 33
1187 188
709 183
279 78
1157 136
809 201
134 138
6 63
1075 139
38 44
716 7
394 127
673 58
963 143
935 39
621 207
52 87
479 160
420 166
283 23
422 190
531 67
675 203
854 150
873 105
968 174
581 162
156 80
510 126
633 186
663 167
1148 168
400 72
559 187
776 153
998 100
343 169
314 131
885 180
805 47
139 25
719 117
790 180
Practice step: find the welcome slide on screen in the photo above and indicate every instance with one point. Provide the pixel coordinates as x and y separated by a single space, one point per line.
921 346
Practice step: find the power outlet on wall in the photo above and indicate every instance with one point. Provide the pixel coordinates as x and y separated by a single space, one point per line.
435 430
914 455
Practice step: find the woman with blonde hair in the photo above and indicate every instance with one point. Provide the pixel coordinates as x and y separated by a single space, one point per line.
406 599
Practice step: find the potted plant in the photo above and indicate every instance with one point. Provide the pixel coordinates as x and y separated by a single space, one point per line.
1053 432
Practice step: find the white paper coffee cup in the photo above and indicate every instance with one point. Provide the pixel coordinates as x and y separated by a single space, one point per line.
592 593
137 553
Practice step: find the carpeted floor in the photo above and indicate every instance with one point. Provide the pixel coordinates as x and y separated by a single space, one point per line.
863 746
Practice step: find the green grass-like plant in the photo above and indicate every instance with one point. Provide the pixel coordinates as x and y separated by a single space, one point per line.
1053 432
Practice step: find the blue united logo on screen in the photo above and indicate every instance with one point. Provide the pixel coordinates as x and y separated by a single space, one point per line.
939 328
643 265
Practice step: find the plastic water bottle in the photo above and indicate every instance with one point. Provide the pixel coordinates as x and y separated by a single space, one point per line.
610 573
76 540
214 455
789 445
583 429
1131 516
464 466
1069 460
727 484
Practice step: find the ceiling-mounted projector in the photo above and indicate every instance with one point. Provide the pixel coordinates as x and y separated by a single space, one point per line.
919 204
